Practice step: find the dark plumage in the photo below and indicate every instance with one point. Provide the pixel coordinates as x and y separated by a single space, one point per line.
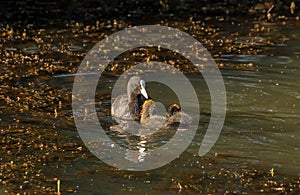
137 106
174 117
128 106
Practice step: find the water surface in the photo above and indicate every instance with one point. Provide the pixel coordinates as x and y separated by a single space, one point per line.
260 68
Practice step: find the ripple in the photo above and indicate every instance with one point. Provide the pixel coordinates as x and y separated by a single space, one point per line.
257 41
75 48
242 58
283 60
10 49
31 50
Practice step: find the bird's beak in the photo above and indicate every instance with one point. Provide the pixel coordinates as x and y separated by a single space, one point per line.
144 93
143 90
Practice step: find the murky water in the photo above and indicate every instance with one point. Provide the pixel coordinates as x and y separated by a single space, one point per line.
259 62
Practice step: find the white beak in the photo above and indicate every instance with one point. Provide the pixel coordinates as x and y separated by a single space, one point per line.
143 90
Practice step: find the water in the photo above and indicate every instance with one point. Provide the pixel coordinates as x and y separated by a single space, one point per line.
262 120
260 69
263 111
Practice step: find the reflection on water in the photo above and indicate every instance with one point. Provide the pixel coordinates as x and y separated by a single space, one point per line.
261 131
137 155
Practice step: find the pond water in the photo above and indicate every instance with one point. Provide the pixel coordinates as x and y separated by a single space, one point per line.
259 62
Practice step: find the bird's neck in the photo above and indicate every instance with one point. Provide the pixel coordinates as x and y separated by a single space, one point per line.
147 111
145 116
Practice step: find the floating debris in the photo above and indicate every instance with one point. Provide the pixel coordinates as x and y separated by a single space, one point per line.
58 187
55 113
292 7
272 172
